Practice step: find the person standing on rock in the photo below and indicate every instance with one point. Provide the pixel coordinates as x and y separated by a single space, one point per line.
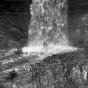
45 45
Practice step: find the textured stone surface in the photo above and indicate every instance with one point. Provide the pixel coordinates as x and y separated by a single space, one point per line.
65 70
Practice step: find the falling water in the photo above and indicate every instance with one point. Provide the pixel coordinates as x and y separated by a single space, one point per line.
48 27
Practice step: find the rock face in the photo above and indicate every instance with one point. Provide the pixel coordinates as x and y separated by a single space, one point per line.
78 22
67 70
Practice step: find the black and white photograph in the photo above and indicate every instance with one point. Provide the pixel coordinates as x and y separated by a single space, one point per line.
43 43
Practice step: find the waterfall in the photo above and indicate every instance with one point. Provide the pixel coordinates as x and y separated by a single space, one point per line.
48 25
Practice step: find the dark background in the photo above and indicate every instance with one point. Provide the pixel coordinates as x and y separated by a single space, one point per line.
17 9
14 14
77 27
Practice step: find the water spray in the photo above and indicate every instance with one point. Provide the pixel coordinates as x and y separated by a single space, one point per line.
47 31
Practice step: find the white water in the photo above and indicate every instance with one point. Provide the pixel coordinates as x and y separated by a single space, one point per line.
49 51
54 34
